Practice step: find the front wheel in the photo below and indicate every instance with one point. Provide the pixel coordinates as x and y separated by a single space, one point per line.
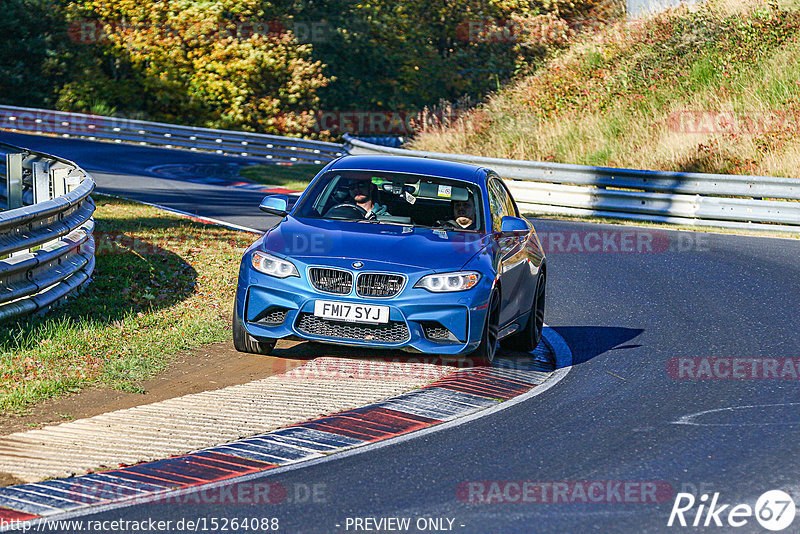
488 347
244 342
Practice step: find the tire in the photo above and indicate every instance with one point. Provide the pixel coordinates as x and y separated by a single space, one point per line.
244 342
488 347
529 337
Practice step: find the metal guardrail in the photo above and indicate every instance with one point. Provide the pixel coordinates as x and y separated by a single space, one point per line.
46 243
717 200
118 130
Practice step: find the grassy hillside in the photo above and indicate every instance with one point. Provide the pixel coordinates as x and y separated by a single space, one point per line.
714 89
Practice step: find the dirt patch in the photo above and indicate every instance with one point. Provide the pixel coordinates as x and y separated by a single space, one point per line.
8 480
211 367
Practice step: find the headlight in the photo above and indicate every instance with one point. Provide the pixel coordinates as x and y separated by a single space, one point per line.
446 282
272 265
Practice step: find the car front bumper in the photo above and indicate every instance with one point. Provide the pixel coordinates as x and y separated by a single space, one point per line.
282 308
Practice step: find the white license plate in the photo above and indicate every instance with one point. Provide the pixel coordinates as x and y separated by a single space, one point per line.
353 313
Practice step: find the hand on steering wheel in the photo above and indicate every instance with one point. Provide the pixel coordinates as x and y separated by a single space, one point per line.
347 211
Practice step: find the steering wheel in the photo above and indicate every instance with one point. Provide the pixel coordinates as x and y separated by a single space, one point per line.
445 225
346 210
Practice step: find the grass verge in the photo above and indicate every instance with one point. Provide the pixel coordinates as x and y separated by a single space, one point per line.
162 284
295 177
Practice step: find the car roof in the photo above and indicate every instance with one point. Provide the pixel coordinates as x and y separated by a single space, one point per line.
411 165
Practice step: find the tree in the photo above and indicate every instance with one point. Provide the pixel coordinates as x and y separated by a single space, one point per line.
389 55
191 61
34 52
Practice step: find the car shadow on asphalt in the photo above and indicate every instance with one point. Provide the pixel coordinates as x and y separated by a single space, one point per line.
587 342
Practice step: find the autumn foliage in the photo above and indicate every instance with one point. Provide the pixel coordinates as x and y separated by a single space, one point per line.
271 66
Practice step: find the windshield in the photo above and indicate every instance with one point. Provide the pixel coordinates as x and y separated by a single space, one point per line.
394 198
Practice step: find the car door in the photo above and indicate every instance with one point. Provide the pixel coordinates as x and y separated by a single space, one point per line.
513 266
534 256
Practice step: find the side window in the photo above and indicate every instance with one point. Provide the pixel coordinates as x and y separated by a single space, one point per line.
497 203
511 206
505 196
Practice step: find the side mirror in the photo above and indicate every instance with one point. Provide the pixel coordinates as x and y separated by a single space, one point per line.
275 205
514 226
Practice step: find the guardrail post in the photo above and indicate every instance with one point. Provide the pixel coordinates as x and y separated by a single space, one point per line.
59 178
14 180
41 182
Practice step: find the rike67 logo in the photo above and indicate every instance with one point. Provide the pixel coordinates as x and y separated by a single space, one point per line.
774 510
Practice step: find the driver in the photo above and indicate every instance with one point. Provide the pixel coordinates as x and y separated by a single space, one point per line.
361 193
463 215
464 212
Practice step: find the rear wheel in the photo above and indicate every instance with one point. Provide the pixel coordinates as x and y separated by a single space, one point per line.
244 342
530 336
488 347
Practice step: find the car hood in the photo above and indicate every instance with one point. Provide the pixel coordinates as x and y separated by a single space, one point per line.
310 240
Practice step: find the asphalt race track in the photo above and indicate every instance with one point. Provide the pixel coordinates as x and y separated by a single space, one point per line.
124 170
631 318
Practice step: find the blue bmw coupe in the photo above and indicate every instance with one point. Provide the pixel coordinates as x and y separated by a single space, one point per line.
395 252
